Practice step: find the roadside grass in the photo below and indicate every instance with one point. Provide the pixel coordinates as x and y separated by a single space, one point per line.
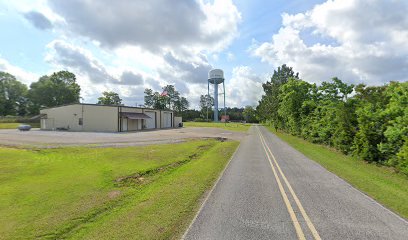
15 125
381 183
145 192
232 126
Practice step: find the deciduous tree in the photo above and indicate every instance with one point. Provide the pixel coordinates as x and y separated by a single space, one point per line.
58 89
110 98
206 104
372 124
269 104
169 98
13 96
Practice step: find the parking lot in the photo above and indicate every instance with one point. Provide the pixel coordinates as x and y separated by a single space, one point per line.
39 138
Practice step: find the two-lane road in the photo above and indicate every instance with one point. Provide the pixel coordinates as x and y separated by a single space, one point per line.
271 191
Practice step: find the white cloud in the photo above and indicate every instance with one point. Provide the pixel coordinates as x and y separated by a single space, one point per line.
154 24
160 42
360 41
185 71
66 55
244 88
221 24
20 74
134 57
128 45
95 77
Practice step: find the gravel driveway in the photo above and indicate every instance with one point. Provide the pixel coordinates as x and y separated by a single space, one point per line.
39 138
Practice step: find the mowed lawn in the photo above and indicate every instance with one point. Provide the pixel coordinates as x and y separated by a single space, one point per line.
380 183
232 126
15 125
148 192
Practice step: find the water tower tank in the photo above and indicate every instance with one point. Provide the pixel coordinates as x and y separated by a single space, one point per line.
216 76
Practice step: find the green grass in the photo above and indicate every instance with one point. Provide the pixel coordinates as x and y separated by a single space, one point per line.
149 192
239 127
380 183
15 125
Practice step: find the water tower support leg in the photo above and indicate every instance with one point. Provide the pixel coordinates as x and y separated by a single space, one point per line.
225 110
208 96
215 102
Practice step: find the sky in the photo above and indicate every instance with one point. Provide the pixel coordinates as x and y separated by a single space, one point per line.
129 45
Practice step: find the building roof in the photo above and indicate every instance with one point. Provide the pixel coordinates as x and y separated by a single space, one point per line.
132 115
94 104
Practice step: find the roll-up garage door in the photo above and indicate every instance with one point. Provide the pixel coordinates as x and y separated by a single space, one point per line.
167 120
151 122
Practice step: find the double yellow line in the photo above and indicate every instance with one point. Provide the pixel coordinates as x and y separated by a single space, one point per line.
292 214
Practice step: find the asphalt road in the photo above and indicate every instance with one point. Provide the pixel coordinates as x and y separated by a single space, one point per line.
271 191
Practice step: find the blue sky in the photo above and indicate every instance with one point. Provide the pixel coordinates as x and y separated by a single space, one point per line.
127 46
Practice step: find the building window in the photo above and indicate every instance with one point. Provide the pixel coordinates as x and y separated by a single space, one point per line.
80 121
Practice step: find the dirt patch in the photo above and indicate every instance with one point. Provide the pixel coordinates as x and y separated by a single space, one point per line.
143 177
114 194
221 139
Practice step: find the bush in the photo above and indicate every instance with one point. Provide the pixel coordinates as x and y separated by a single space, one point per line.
16 119
200 120
402 158
372 124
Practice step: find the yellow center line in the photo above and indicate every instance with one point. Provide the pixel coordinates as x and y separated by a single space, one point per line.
292 214
297 201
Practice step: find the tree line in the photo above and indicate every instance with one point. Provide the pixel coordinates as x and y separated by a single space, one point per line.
16 99
60 88
206 112
370 122
235 114
169 98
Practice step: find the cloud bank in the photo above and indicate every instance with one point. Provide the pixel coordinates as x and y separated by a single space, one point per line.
355 40
153 24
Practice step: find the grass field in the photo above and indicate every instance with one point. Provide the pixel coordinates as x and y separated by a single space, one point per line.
380 183
15 125
149 192
239 127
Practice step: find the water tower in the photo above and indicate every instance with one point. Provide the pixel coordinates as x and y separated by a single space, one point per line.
215 77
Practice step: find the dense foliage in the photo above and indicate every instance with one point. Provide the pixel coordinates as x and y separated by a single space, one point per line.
110 98
206 106
249 114
13 95
49 91
370 122
169 99
235 114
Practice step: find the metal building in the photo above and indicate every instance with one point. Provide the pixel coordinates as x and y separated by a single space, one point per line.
105 118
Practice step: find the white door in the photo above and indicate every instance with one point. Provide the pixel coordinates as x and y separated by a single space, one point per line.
44 123
167 120
139 124
124 124
150 122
